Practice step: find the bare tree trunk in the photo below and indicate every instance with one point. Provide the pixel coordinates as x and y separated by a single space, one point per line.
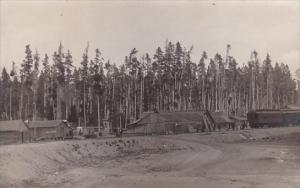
135 99
34 105
271 98
253 90
268 106
113 94
180 96
84 102
239 103
27 108
67 110
44 99
190 95
58 102
52 100
21 102
257 97
127 107
98 111
174 89
10 92
202 95
141 98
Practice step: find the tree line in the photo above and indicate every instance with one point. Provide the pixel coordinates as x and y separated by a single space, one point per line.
51 87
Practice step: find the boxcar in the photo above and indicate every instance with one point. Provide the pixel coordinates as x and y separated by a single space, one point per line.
273 118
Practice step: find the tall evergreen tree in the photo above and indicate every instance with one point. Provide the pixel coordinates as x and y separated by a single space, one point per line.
26 82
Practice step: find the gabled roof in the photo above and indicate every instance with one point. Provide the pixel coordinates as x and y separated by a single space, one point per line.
143 116
220 117
44 124
170 117
13 125
188 116
238 118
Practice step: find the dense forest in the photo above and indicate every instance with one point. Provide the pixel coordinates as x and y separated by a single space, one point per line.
51 87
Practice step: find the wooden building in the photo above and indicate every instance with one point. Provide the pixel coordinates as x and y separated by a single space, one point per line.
221 120
240 122
50 129
13 131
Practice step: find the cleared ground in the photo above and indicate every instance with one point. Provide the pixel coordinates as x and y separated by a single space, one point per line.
244 159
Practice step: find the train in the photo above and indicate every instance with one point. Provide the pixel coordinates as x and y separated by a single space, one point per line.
273 118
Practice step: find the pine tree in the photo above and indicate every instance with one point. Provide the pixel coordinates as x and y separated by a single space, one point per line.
202 75
68 64
26 82
35 75
59 80
6 83
84 77
267 70
97 75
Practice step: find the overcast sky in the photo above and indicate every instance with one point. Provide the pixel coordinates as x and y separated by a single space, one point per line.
117 27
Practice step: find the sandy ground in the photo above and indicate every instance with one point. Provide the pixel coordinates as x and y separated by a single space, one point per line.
264 158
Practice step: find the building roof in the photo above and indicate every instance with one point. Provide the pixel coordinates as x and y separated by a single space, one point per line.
221 117
44 124
169 117
192 116
143 116
275 111
13 125
238 118
293 107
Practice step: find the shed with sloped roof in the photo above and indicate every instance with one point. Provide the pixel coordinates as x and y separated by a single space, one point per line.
13 131
222 120
49 129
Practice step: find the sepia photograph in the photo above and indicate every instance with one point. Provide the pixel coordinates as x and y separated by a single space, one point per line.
149 94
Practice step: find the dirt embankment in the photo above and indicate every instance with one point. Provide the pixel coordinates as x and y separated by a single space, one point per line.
261 158
20 164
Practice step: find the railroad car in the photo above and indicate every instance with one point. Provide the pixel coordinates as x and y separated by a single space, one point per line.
273 118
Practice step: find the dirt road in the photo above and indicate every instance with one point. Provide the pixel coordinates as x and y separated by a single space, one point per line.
243 159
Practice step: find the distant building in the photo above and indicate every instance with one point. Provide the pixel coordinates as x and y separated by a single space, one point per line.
13 131
221 120
49 129
180 122
240 122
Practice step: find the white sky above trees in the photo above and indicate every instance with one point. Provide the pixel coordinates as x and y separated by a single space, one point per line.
116 27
